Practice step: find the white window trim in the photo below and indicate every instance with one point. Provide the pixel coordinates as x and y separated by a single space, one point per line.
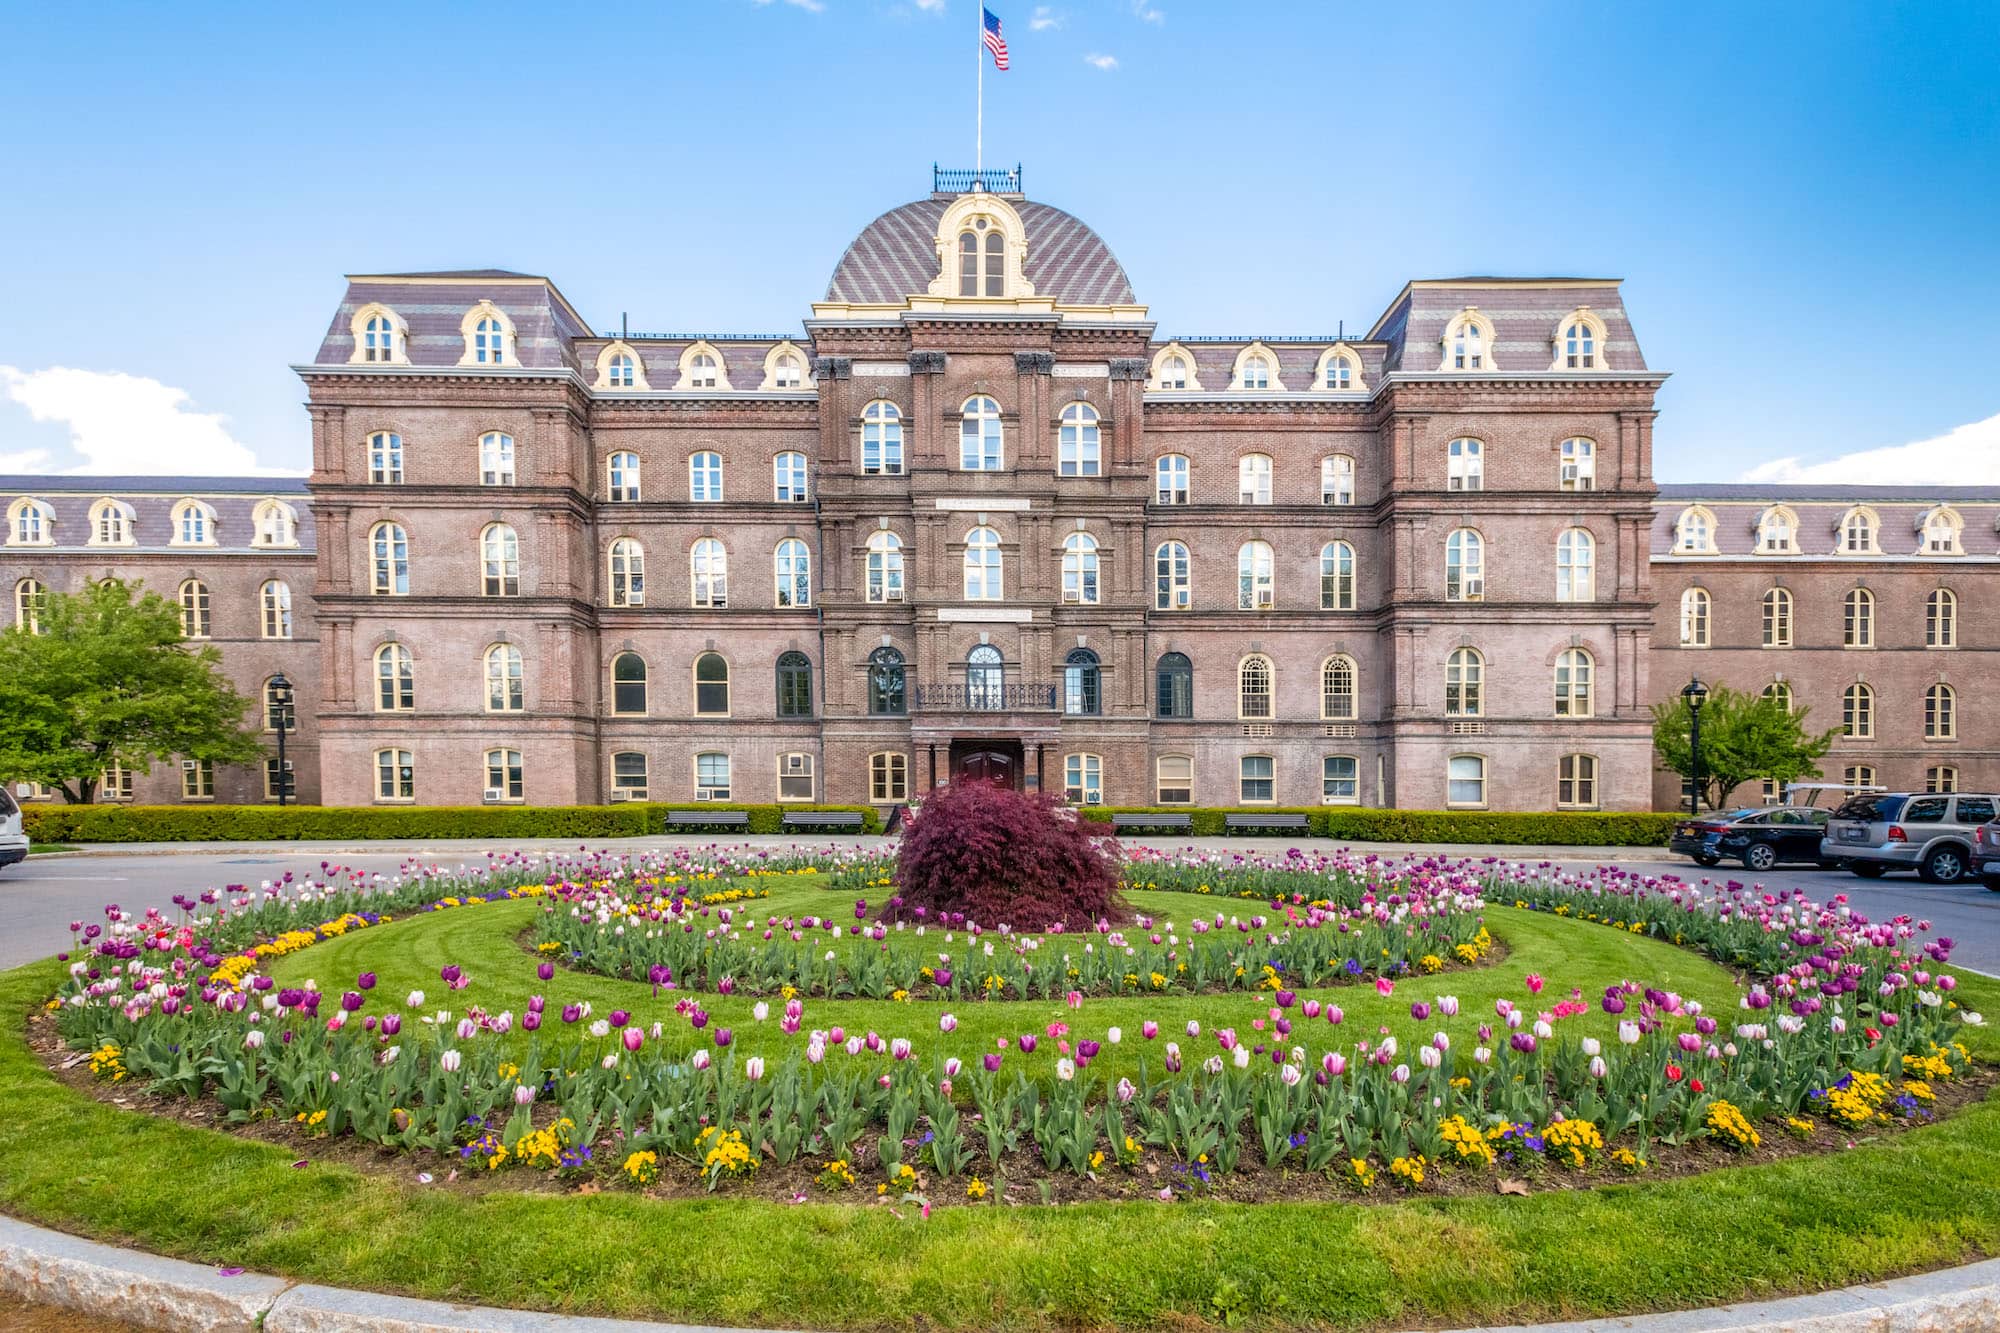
1155 384
778 352
20 507
1339 352
703 347
605 357
399 336
207 512
1485 783
1472 317
1236 384
1600 338
509 355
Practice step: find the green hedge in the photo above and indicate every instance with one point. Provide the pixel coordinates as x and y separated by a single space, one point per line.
1555 829
268 823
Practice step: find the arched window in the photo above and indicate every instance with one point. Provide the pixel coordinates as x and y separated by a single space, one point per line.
1173 582
194 524
628 572
489 337
1336 577
794 573
279 711
1336 689
395 775
1940 713
1464 566
395 679
1941 619
389 551
981 446
1857 712
703 370
30 596
30 523
1858 776
882 439
1941 530
1336 480
1173 686
500 561
274 523
1173 372
111 523
1579 339
711 686
1778 532
1694 531
1464 683
982 268
623 476
1170 479
629 776
708 567
985 678
1941 779
1576 566
275 600
1083 695
1465 465
1694 618
628 685
982 565
1578 469
504 780
1777 618
1083 779
1468 342
1254 373
1574 668
1858 530
887 679
1465 780
504 692
795 685
1079 569
1256 581
788 478
788 372
621 371
1779 693
705 477
888 777
194 609
1253 479
885 567
1858 619
1340 370
1576 782
385 458
1079 449
1253 687
379 337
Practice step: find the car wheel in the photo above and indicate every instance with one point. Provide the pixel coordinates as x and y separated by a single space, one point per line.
1869 869
1759 857
1946 865
1704 859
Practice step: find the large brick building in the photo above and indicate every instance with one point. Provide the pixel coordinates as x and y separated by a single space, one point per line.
978 518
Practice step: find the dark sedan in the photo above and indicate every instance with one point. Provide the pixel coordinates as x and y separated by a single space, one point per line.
1759 838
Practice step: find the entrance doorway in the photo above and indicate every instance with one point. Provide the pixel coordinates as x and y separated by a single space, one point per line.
997 762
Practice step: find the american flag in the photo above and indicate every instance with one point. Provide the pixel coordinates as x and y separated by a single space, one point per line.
994 41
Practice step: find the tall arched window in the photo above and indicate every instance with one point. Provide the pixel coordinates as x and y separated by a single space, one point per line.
194 609
1694 618
1336 689
1941 619
504 692
275 600
788 477
982 267
1578 469
385 458
1465 465
395 679
628 572
1940 713
1777 618
1466 343
794 573
30 596
1857 712
1173 686
888 695
1579 343
1254 687
1574 669
111 523
982 565
981 447
381 341
1694 531
623 476
279 712
1336 480
711 686
1256 580
885 567
795 685
1857 619
1464 683
504 780
496 459
1576 566
1079 447
1253 479
1464 566
705 477
194 524
628 685
621 372
500 561
1858 531
985 678
1778 532
708 568
31 524
274 523
1079 569
489 341
1336 577
1173 583
1170 479
389 565
1083 694
882 439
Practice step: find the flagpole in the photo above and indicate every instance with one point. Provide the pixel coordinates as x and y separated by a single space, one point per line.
979 120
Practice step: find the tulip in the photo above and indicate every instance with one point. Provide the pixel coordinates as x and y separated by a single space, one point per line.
366 981
1590 1046
1286 999
1400 1074
1027 1043
947 1022
1310 1009
634 1038
467 1029
546 971
253 1040
1065 1069
1420 1010
1334 1015
416 1000
899 1048
699 1060
1535 982
1430 1057
1242 1057
350 1001
619 1018
1173 1058
1598 1069
1628 1033
1193 1028
1448 1005
753 1068
1149 1029
571 1013
1126 1092
760 1011
391 1024
1114 1036
531 1021
991 1062
449 1061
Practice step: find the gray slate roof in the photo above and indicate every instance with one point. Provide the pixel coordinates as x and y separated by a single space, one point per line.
1686 491
176 486
895 256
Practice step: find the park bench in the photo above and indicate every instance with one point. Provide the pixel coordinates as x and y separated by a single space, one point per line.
1231 823
1142 819
823 819
708 819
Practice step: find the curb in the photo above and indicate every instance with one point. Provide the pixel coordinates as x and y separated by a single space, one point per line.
111 1282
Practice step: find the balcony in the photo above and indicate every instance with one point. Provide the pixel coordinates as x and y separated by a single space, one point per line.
1004 698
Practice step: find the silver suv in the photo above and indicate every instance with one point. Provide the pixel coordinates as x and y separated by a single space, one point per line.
1928 833
13 840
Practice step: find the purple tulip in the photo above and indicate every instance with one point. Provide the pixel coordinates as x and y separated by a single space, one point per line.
1149 1029
366 981
530 1021
723 1036
572 1012
1420 1010
545 971
449 973
536 1004
634 1039
1087 1050
351 1001
619 1018
992 1062
1286 999
1027 1043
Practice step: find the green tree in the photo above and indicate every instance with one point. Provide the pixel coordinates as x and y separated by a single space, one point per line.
1744 737
109 680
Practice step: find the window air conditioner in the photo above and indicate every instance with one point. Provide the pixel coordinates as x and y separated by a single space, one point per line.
1569 474
703 794
620 794
494 794
190 765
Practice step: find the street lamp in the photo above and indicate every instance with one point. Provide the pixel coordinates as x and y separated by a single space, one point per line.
281 700
1696 695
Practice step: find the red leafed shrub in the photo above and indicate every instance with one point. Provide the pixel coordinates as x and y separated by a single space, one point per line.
995 857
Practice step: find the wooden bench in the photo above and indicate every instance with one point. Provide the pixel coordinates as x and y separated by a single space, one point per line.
1295 823
708 818
1142 819
824 819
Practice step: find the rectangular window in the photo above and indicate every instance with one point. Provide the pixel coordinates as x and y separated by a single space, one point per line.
197 780
1466 780
795 777
711 777
1340 780
117 785
1258 775
1943 778
504 775
1176 780
1576 782
1083 779
888 778
628 776
278 780
1858 775
395 775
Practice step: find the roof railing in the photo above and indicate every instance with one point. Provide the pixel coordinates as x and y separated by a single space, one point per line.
993 180
1287 338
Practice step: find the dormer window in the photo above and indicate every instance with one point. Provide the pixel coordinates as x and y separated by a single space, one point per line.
620 372
787 373
982 259
1173 370
1941 528
1468 342
274 523
489 337
29 523
702 368
1256 373
1579 341
194 524
702 371
1173 373
1339 371
785 368
1858 531
1694 532
619 368
1777 532
380 337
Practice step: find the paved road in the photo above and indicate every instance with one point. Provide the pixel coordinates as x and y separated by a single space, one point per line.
40 897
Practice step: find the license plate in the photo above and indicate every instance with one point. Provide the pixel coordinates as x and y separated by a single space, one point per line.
1853 835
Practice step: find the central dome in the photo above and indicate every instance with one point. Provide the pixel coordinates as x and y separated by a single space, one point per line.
895 257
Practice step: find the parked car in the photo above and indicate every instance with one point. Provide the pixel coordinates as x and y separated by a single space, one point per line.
1699 837
1986 854
13 838
1759 838
1929 833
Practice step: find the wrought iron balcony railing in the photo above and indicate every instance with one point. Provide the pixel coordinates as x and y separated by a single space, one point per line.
1009 698
993 180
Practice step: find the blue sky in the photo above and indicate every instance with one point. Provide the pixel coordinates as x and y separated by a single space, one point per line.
1802 199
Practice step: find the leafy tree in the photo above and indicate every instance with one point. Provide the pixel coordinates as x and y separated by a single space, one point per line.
976 852
1744 737
108 680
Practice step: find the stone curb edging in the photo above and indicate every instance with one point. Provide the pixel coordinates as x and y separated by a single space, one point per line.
111 1282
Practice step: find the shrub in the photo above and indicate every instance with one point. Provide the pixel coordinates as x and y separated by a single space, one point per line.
1002 858
268 823
1556 829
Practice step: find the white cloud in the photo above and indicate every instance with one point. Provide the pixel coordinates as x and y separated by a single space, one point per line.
810 6
1043 19
1102 62
1967 455
931 6
1145 13
126 424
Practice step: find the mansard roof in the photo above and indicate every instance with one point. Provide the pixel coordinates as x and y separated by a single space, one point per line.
895 257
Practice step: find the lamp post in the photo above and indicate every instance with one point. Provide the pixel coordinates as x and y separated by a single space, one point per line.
1696 695
281 700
